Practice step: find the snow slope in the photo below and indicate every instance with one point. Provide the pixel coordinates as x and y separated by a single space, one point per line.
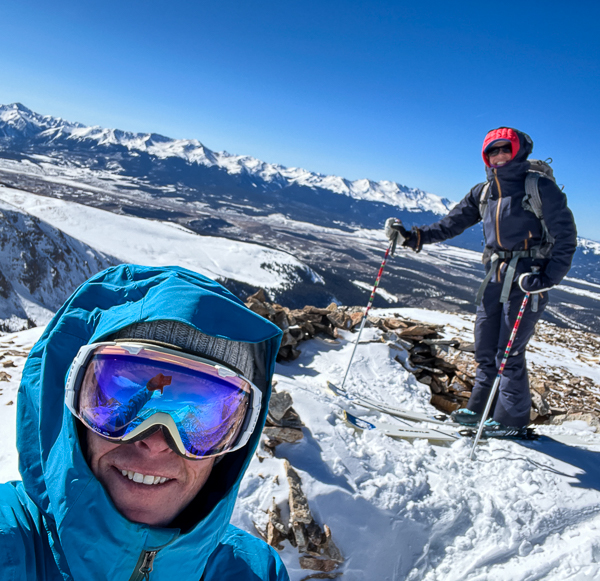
142 241
411 510
401 510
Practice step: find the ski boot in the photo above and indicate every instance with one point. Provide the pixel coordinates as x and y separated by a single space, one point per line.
465 417
494 429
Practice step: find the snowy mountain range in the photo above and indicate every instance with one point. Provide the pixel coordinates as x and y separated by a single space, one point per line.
311 238
19 125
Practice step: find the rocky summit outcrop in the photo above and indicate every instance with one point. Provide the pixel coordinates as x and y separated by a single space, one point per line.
443 362
314 542
447 364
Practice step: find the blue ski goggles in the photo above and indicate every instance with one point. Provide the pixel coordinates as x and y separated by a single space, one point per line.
127 390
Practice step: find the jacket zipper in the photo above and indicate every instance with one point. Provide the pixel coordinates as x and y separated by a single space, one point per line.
143 567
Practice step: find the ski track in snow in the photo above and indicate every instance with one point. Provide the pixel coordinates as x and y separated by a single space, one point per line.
521 511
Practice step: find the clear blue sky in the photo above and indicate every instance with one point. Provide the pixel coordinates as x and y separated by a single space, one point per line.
382 90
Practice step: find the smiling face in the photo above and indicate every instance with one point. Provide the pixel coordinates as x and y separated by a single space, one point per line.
147 481
500 153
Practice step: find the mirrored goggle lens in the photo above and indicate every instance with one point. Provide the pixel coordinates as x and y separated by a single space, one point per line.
120 390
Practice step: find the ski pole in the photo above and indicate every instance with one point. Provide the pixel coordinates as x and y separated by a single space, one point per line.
387 253
499 376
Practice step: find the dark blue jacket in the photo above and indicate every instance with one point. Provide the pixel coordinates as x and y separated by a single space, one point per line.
507 225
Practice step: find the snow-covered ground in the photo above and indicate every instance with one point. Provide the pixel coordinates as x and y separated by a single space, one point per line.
141 241
521 511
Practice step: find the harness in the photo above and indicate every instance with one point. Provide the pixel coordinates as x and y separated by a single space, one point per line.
533 203
514 257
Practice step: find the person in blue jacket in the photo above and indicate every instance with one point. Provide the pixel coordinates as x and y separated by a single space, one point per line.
139 410
522 254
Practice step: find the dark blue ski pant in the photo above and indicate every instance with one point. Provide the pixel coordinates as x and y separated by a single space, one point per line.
493 326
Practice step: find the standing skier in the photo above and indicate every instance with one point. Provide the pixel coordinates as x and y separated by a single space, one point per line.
527 249
139 410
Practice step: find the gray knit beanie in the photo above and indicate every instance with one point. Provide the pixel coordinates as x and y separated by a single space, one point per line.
233 353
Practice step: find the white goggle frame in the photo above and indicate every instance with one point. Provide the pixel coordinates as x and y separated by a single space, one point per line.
79 367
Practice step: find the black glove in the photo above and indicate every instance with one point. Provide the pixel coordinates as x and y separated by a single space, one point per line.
395 231
533 282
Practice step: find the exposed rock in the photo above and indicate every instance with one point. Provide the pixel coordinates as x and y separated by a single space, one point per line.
589 418
279 404
14 353
356 318
277 531
392 324
540 404
276 435
446 365
417 332
283 423
260 295
299 511
325 565
444 404
307 535
340 319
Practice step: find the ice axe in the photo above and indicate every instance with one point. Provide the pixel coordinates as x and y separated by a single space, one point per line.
390 250
500 372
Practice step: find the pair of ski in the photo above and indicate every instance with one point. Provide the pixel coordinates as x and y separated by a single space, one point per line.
443 431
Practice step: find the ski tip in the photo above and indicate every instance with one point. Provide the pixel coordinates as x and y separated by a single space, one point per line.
335 389
358 423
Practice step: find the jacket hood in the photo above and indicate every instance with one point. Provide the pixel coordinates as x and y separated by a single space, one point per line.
91 539
522 144
516 169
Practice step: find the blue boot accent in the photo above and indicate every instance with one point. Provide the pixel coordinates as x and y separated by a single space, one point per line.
465 417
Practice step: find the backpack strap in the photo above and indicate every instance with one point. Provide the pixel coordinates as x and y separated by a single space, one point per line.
493 259
533 202
483 199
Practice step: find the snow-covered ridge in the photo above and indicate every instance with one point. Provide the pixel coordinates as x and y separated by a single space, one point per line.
588 246
48 247
17 121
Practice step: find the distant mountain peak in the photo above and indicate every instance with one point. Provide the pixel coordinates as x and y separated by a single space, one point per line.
19 122
19 107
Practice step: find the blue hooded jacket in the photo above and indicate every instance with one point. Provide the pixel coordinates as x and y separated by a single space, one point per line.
59 522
